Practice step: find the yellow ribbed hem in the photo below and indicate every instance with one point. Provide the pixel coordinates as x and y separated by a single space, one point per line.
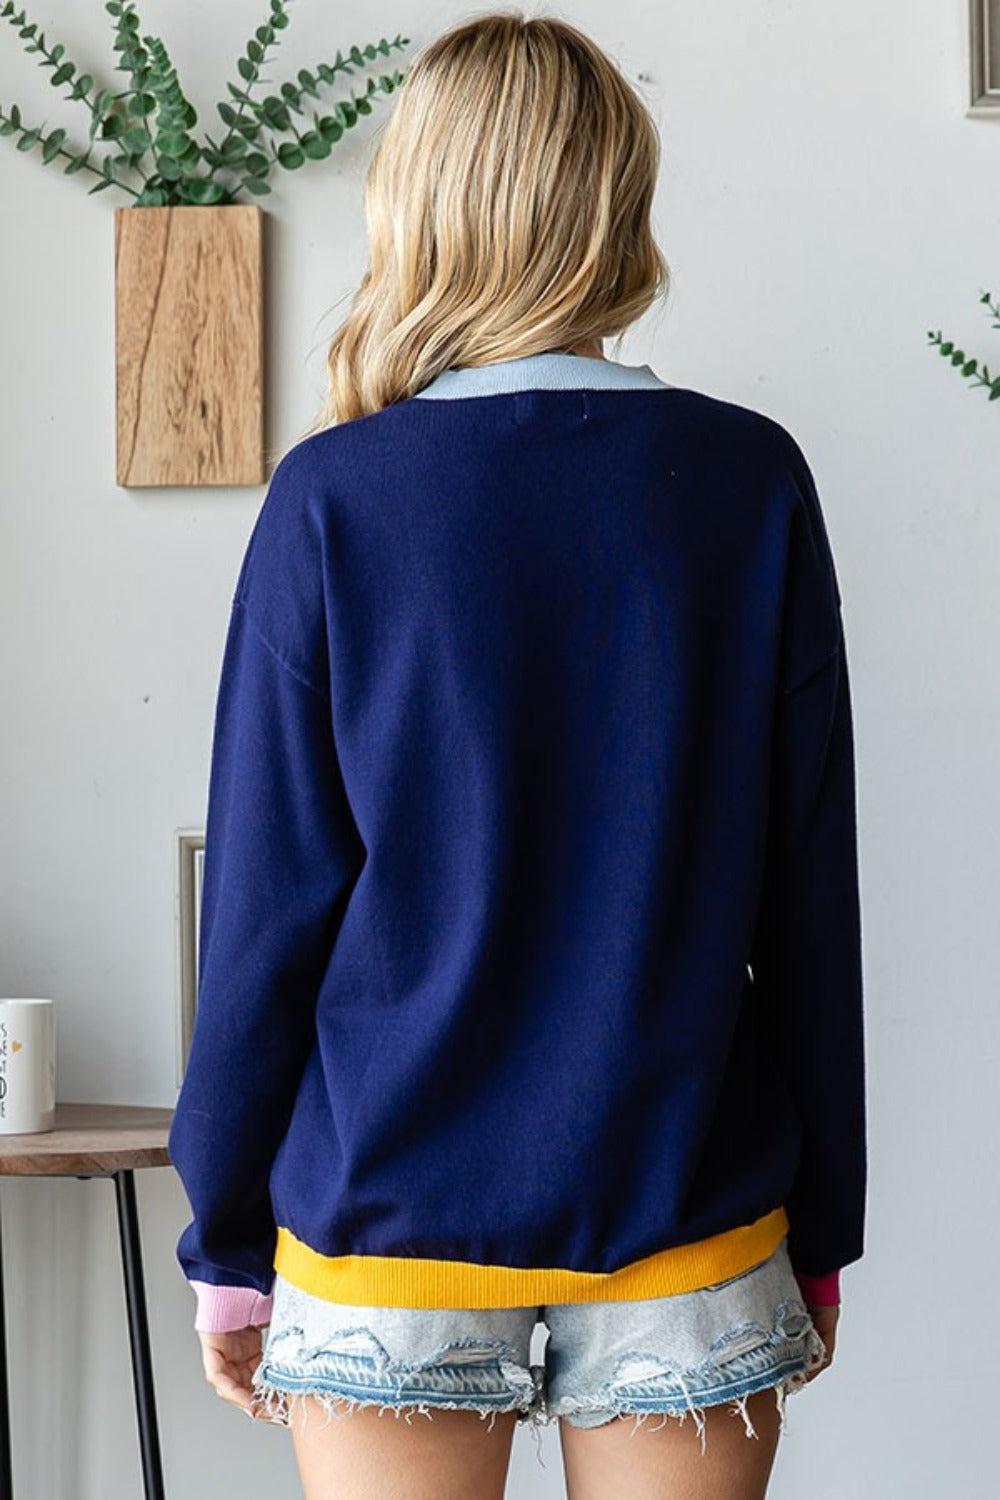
408 1281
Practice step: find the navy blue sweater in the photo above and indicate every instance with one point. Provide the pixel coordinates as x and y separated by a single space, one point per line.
530 949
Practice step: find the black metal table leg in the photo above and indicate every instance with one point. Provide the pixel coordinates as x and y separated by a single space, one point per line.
6 1468
138 1327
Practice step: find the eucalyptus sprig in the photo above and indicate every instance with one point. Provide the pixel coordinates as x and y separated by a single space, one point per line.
149 124
971 368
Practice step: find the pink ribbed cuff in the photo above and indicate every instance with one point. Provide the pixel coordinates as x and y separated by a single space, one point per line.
225 1309
820 1291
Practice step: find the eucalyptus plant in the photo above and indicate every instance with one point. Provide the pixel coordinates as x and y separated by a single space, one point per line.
971 368
150 123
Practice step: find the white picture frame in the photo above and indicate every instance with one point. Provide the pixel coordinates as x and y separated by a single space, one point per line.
984 57
189 860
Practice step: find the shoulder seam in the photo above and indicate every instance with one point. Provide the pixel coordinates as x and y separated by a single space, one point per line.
281 660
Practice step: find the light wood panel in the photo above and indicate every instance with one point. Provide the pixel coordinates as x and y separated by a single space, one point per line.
189 324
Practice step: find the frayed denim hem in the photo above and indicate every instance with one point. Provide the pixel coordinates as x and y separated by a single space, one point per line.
783 1378
275 1395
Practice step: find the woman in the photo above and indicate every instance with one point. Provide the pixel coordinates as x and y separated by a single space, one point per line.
530 971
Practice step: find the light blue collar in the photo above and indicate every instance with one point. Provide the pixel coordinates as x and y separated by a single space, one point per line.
554 369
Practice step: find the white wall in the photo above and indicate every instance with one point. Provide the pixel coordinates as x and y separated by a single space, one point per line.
824 202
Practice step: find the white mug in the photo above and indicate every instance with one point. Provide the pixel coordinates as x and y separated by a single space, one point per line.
27 1066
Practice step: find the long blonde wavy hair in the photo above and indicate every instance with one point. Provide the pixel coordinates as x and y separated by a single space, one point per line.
508 211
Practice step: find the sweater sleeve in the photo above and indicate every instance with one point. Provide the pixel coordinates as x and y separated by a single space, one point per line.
281 852
807 955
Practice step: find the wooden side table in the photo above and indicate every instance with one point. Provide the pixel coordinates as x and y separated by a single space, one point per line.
98 1140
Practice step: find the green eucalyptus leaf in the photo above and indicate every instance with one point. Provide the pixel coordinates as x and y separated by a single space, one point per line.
53 143
28 140
136 139
76 164
175 145
257 164
276 115
202 190
314 146
291 155
246 69
257 185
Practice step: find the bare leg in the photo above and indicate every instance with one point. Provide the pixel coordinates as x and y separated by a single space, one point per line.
365 1452
662 1458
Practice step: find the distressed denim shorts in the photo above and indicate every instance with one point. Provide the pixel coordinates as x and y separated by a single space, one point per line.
669 1355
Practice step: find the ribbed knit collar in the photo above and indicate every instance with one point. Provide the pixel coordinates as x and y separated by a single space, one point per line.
548 370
